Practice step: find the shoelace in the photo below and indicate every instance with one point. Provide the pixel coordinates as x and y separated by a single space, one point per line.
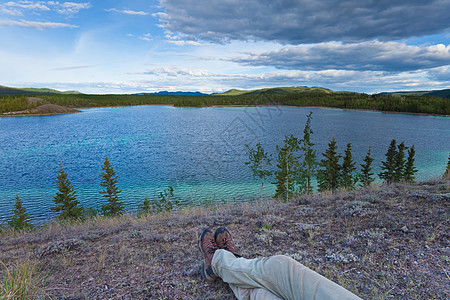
210 247
228 245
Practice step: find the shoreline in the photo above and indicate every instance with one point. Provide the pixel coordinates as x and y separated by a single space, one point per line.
12 114
38 115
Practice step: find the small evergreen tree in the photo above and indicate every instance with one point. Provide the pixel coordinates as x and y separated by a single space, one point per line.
259 162
309 165
329 176
366 170
399 163
410 170
20 219
109 181
65 199
348 179
287 164
145 207
388 166
447 171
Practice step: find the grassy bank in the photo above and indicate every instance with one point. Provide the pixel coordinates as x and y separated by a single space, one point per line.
383 242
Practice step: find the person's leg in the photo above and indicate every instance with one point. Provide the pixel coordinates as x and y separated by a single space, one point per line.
252 294
281 275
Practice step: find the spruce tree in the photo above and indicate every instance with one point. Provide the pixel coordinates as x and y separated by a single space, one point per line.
287 164
366 170
65 199
410 170
20 219
447 171
399 163
388 166
259 161
348 180
328 177
309 165
109 181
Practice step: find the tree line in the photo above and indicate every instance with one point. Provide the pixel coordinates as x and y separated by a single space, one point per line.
297 165
14 103
344 100
68 208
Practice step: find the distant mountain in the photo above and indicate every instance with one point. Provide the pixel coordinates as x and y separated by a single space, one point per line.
276 90
4 90
436 93
174 93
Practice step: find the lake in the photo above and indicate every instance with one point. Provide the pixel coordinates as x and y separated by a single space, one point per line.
198 151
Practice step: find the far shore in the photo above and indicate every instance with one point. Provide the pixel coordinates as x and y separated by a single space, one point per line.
75 110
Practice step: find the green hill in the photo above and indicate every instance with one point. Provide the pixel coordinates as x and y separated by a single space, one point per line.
4 90
436 93
275 91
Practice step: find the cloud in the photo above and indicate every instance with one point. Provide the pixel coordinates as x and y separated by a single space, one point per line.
35 25
70 68
173 71
11 11
350 80
18 8
440 73
374 56
146 37
69 8
172 78
128 12
27 5
303 21
176 40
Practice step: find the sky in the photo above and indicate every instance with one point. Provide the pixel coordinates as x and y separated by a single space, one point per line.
118 46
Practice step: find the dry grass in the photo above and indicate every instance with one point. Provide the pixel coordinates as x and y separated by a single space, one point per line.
382 242
21 281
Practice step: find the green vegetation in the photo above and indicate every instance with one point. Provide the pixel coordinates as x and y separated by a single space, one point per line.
410 170
329 175
287 168
447 170
436 93
4 90
348 178
14 103
20 219
22 282
259 161
388 166
395 167
309 164
111 192
165 203
366 170
65 199
291 96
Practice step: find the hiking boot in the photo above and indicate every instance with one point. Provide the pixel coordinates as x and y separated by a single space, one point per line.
224 240
207 246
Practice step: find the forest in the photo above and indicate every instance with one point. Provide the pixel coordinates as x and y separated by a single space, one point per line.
343 100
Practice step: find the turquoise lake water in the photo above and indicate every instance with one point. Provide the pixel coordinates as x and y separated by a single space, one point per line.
198 151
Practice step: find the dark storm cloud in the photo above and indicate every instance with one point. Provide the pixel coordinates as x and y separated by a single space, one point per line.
304 21
373 56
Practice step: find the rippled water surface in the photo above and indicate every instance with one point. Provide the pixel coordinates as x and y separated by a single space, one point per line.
199 152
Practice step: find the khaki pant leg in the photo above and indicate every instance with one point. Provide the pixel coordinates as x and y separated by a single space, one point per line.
281 275
252 294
